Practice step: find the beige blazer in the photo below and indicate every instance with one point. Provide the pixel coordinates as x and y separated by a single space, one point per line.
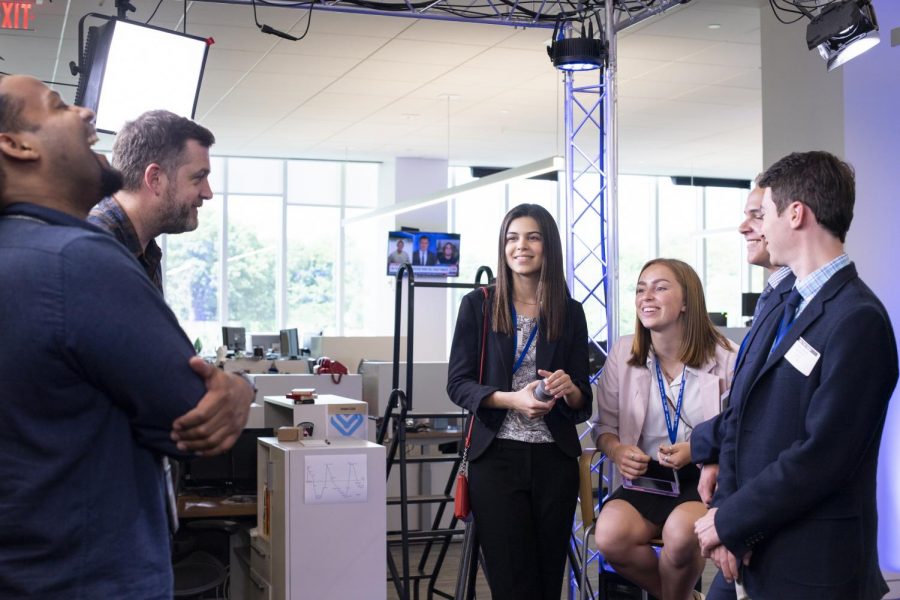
623 391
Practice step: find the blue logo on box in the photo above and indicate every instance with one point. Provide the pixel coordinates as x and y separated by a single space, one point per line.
346 425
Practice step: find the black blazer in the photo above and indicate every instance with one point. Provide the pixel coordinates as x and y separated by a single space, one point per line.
706 439
569 353
430 259
800 452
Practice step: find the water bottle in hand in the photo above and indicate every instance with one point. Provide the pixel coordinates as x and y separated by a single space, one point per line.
541 394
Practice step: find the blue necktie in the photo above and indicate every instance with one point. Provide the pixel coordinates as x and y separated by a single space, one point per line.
787 318
760 305
761 302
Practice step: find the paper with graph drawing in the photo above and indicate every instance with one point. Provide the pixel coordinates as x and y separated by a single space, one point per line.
335 479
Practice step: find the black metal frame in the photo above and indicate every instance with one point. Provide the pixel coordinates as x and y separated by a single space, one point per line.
395 422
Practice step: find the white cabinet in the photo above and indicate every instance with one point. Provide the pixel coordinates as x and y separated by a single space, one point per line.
321 520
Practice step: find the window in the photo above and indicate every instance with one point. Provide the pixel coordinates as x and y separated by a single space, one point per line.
253 238
192 276
271 251
697 225
280 261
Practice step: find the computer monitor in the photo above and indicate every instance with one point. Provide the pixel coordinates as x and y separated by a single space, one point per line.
234 338
290 344
266 341
233 472
719 318
748 303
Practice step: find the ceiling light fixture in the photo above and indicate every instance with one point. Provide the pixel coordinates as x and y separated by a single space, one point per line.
547 165
570 52
842 31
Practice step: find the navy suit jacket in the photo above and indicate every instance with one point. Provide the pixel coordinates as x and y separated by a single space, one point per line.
569 353
706 439
799 453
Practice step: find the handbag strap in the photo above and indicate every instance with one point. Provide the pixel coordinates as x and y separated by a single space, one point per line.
484 328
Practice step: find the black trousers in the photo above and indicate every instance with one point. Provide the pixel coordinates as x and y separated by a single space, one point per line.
523 499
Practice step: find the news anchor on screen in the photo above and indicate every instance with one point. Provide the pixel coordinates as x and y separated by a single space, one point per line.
424 257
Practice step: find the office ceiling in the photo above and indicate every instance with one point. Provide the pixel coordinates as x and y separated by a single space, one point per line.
370 87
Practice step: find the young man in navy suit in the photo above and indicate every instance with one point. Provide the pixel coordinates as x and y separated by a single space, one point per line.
795 513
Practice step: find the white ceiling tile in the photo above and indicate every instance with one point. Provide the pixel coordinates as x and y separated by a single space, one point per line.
261 84
293 64
730 54
330 44
364 86
661 47
529 39
745 78
378 87
720 94
688 72
456 32
644 88
409 51
398 71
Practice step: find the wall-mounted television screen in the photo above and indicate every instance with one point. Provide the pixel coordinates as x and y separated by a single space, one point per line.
431 254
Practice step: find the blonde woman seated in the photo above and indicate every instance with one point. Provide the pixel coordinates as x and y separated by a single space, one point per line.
656 386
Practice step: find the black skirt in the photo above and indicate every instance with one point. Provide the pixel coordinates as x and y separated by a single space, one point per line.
654 507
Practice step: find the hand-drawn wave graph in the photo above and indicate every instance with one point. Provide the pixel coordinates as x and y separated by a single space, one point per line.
335 479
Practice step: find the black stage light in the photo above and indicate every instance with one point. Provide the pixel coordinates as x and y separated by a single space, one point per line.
570 52
842 31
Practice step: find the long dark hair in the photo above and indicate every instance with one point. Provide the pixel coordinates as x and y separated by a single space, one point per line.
552 291
701 337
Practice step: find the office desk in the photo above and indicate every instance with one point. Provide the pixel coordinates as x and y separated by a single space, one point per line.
200 507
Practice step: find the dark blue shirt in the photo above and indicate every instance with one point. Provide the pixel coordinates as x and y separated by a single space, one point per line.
93 371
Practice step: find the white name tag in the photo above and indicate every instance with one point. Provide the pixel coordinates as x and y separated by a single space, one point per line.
803 356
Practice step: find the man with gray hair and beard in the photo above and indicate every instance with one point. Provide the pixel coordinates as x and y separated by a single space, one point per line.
164 160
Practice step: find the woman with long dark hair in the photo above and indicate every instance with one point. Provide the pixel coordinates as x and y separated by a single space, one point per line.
523 470
655 387
448 254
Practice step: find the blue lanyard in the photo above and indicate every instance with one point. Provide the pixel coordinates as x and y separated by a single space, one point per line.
518 361
672 429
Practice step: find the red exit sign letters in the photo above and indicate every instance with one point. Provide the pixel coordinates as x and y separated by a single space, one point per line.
16 15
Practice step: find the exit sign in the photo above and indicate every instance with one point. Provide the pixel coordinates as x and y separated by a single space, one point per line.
16 15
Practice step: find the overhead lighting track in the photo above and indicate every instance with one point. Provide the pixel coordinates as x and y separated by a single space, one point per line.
514 13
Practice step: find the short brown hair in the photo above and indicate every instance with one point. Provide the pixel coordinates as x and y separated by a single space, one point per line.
700 335
157 136
818 179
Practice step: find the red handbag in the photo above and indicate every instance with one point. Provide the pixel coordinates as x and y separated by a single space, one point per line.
461 507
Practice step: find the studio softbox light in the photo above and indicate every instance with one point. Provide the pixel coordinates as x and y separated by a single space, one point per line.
129 68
